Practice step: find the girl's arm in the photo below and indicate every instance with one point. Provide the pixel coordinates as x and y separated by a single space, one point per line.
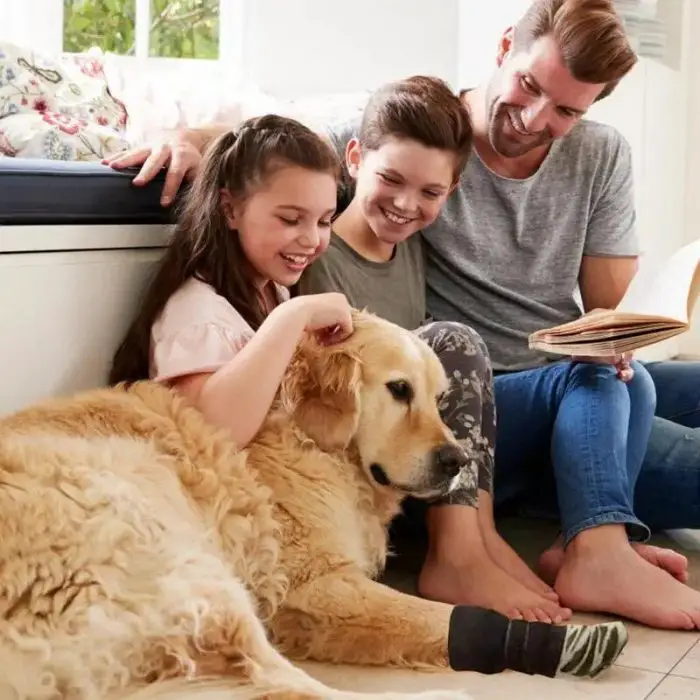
239 395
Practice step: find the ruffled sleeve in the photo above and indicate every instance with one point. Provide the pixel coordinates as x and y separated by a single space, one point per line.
194 349
198 331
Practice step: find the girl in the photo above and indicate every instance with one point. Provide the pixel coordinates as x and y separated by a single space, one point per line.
414 140
217 323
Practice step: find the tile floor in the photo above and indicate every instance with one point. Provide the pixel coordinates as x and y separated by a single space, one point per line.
656 665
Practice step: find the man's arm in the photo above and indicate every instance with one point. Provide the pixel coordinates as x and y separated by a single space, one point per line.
202 136
610 254
178 149
181 151
611 250
604 280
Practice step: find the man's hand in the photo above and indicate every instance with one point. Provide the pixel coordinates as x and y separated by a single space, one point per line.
180 156
620 362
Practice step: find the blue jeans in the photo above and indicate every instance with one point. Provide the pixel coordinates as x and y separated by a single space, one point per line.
573 435
668 488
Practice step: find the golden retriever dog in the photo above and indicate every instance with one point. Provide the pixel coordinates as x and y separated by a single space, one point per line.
142 555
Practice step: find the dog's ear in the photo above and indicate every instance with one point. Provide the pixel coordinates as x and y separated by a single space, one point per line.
321 391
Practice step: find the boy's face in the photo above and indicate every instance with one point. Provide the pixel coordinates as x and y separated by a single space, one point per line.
401 186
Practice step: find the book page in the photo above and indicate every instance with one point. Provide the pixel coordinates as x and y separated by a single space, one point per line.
668 290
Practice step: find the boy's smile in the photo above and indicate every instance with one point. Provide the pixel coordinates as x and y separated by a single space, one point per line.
401 186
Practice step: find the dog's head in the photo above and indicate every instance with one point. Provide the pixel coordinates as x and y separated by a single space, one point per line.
378 392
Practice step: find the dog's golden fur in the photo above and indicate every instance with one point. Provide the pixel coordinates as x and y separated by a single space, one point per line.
139 547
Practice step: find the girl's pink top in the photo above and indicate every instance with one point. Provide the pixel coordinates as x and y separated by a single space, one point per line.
197 331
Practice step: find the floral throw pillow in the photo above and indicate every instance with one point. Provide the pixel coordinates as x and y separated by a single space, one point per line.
57 108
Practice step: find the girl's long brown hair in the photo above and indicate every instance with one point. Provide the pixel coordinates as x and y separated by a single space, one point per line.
202 246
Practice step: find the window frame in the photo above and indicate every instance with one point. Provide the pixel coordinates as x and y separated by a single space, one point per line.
233 15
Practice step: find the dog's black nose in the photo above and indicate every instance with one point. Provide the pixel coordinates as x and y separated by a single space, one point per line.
449 459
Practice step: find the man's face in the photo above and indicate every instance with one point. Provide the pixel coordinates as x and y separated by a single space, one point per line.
532 98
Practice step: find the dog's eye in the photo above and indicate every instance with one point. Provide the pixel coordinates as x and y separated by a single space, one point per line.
400 390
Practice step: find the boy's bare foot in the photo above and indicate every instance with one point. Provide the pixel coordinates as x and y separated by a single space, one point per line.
481 582
506 557
674 563
603 573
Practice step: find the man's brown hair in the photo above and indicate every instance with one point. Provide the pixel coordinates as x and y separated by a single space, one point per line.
589 33
422 109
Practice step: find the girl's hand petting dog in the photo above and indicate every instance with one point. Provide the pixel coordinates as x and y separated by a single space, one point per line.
328 315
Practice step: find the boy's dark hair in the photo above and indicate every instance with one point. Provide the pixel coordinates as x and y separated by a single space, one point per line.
420 108
589 33
202 245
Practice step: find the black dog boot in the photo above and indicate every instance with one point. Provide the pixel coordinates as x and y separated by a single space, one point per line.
486 641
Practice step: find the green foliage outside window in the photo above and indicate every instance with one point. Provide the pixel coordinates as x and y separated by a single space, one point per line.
179 28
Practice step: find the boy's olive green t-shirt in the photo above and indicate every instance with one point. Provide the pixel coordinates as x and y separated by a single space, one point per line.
394 290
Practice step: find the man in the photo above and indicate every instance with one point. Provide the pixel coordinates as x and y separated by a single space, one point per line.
547 203
544 205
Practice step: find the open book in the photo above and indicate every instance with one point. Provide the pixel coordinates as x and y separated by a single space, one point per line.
658 305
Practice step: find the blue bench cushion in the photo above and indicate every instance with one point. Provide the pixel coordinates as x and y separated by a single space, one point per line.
34 191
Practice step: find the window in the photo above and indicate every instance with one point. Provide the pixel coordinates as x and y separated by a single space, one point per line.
154 28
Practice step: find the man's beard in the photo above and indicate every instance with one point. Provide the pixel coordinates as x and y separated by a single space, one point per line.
498 117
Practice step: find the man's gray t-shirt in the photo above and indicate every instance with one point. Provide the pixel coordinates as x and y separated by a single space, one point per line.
504 255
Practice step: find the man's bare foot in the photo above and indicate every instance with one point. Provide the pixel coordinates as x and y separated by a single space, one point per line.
667 559
673 562
602 573
506 557
483 583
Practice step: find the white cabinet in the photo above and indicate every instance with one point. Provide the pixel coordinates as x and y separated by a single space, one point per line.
63 311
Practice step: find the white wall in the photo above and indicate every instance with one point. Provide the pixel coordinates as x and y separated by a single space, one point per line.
690 343
20 25
481 25
314 46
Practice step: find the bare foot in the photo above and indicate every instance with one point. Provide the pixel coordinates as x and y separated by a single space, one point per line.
506 557
667 559
483 583
607 576
674 563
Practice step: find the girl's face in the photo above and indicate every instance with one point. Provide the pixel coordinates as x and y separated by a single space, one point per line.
284 224
401 186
